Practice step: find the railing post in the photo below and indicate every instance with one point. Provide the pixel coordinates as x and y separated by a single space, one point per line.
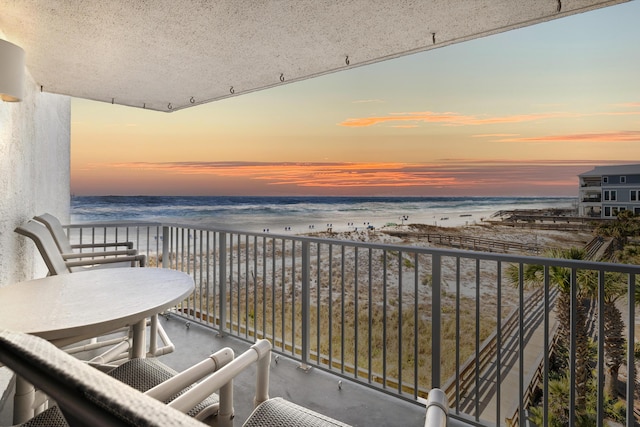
436 310
306 304
222 279
166 262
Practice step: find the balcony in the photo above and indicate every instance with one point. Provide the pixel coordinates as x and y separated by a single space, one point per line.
363 331
592 199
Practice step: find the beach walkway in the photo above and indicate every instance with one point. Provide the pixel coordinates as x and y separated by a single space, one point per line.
485 399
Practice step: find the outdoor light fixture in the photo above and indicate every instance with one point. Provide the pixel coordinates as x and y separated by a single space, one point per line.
11 72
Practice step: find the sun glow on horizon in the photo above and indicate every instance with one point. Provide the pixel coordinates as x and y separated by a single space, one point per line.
518 113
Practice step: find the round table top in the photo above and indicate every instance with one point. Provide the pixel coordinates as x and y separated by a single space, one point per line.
90 303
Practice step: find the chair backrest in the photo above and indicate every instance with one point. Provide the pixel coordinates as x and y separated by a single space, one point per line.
46 246
57 231
85 395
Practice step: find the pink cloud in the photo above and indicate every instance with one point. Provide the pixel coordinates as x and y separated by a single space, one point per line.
456 175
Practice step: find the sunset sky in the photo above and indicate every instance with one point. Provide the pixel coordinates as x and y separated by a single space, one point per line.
518 113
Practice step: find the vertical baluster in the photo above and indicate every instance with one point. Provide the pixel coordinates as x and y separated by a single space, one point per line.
201 255
330 306
547 367
631 310
273 290
283 301
264 287
416 341
239 283
214 276
458 294
293 297
572 348
222 280
476 397
370 316
384 318
166 258
521 309
436 312
318 300
230 283
498 338
306 303
342 296
355 314
400 254
601 355
255 288
207 270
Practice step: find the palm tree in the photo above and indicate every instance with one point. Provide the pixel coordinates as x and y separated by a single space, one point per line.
624 226
533 275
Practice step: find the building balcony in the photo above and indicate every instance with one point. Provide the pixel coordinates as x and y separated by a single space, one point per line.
361 332
592 199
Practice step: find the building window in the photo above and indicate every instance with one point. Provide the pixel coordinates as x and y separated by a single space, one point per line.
610 195
605 179
633 196
623 179
607 211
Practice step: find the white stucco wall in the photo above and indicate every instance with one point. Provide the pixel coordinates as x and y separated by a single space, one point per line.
34 178
34 174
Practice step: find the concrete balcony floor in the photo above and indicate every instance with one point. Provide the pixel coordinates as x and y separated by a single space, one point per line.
315 389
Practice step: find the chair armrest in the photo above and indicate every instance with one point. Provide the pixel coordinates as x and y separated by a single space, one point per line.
99 254
141 259
223 380
195 373
128 245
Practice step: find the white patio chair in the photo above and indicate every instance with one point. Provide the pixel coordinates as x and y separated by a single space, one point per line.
267 412
62 240
56 264
86 396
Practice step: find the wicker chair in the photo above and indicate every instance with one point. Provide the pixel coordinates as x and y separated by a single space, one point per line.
86 396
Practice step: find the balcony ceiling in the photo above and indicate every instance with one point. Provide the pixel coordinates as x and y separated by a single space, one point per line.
166 54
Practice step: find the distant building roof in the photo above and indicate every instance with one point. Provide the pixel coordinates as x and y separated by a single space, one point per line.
613 170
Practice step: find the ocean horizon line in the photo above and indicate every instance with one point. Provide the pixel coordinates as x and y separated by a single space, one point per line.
299 214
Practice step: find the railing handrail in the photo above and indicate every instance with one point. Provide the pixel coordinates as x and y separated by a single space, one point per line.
488 256
231 267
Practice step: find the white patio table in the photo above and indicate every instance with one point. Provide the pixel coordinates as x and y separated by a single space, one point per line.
68 308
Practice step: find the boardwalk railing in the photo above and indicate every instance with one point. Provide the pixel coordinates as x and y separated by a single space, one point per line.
396 318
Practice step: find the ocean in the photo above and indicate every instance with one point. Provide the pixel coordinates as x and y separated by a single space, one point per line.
297 215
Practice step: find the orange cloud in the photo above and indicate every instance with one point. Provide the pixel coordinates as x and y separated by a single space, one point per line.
620 136
456 175
494 135
303 174
455 119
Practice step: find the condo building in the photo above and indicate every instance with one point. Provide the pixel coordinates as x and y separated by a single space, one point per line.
607 190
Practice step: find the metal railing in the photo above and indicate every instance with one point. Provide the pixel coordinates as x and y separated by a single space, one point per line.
400 319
